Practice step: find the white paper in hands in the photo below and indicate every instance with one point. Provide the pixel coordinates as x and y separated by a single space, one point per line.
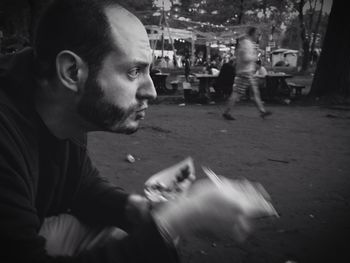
250 197
171 182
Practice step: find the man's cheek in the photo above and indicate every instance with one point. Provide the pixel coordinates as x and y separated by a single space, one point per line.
121 99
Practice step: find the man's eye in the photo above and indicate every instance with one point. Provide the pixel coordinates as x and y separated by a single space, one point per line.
134 73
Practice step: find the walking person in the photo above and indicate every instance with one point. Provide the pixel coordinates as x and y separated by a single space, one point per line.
246 57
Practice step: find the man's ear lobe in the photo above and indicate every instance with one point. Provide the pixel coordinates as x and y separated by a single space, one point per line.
72 71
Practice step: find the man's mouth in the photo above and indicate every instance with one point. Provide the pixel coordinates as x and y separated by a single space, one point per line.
140 114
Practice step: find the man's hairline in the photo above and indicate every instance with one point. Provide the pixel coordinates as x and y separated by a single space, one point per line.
116 49
109 30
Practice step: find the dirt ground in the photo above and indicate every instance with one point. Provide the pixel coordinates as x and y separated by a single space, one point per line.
301 155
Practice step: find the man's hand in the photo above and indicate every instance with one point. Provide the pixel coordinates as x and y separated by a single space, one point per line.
215 210
137 209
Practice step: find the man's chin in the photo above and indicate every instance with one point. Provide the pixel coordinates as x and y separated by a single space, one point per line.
129 129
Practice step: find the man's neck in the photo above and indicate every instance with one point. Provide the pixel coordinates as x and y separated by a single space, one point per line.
56 113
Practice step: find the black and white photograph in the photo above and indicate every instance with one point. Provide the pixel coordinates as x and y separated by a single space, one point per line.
174 131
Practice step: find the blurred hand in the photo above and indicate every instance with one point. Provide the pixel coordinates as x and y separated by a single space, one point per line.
170 183
215 210
137 209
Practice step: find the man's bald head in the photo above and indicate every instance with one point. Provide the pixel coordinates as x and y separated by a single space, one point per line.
126 29
80 26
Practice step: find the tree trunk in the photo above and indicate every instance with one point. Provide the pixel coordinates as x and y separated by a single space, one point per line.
306 54
241 12
312 13
332 76
315 32
304 39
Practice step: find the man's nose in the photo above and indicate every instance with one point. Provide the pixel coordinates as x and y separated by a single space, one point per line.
147 89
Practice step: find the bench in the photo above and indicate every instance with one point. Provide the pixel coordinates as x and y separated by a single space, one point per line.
296 89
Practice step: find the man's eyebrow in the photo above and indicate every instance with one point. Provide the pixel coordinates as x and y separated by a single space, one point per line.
140 63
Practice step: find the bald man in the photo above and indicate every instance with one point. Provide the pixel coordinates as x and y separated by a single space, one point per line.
88 71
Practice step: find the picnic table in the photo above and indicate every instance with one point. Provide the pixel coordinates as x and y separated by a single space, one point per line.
276 86
205 80
159 81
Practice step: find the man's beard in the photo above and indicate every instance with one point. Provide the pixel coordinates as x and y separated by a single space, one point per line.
103 115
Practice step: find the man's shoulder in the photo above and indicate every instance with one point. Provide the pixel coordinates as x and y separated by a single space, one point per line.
17 85
16 109
19 61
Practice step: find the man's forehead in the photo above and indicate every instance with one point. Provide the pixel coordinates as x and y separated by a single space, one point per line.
117 14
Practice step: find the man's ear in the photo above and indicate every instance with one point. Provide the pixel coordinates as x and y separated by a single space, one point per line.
72 71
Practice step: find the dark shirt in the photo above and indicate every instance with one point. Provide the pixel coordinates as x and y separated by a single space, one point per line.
226 77
42 176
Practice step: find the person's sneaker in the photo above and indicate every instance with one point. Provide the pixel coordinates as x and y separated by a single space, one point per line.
265 114
228 116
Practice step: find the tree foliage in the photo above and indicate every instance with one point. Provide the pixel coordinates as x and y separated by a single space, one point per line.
275 18
310 24
18 18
